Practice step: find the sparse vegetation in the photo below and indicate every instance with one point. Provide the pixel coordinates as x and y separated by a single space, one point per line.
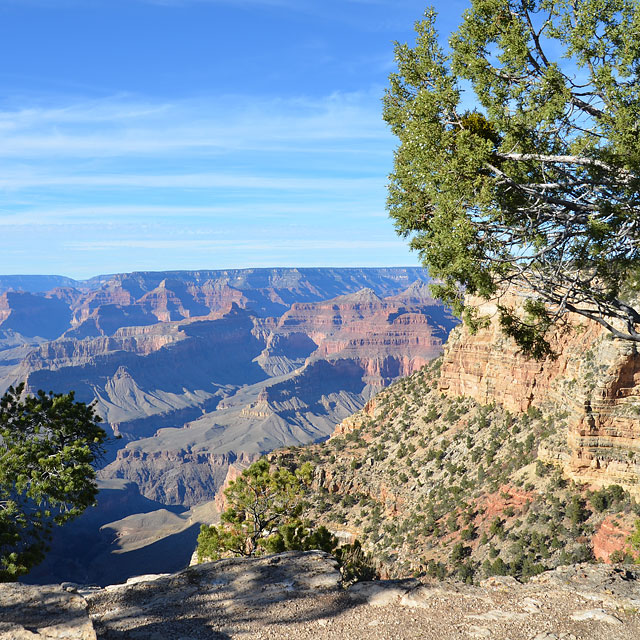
453 488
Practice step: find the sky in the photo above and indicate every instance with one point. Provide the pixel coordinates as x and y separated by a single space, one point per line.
198 134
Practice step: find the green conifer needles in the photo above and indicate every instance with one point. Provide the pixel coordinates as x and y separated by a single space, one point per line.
48 443
264 506
519 159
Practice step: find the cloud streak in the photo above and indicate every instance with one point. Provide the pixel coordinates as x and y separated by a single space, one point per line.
123 213
233 243
123 127
218 181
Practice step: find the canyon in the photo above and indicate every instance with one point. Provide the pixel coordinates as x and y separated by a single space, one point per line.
194 371
466 467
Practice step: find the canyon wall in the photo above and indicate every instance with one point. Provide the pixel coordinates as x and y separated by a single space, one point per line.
595 378
195 372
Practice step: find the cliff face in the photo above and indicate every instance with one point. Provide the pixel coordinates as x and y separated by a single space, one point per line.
388 338
33 315
437 483
179 476
595 379
48 306
487 462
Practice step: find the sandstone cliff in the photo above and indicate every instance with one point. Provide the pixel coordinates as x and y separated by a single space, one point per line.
595 378
490 462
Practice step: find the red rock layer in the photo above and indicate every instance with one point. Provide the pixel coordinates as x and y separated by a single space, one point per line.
612 536
596 379
388 337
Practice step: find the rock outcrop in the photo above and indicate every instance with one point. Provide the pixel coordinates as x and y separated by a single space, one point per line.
612 537
389 338
595 378
43 613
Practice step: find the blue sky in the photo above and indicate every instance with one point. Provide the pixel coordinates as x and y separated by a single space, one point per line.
197 134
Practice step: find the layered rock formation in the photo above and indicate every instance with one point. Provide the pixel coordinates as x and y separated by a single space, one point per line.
373 331
595 378
486 446
110 302
33 315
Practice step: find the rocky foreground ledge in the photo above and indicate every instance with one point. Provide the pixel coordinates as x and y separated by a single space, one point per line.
299 595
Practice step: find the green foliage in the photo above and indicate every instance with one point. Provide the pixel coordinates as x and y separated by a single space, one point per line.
497 527
355 564
496 568
265 516
468 534
535 186
298 535
459 553
260 502
437 570
48 444
635 541
606 497
530 330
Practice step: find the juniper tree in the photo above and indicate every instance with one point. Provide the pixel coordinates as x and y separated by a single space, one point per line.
48 444
519 160
263 512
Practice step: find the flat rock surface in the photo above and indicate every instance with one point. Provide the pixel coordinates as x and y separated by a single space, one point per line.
298 595
29 612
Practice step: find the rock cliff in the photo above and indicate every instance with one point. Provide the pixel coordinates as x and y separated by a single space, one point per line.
595 378
488 462
105 303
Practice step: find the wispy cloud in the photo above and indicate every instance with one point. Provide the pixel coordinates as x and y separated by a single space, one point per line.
297 244
90 185
123 126
199 215
189 181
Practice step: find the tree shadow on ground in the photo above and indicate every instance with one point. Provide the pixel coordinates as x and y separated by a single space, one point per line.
234 597
192 629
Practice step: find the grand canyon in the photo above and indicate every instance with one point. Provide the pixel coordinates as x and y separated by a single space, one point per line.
194 371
